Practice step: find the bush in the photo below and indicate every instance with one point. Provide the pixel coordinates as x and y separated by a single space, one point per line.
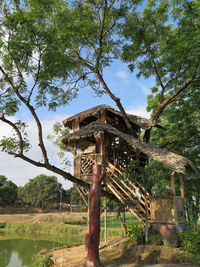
135 233
189 241
2 225
42 260
155 239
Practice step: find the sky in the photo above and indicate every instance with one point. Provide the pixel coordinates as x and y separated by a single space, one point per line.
132 92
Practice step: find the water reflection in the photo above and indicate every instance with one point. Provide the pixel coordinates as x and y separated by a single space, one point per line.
20 252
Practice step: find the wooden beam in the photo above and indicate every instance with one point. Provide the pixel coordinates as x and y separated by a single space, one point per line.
181 185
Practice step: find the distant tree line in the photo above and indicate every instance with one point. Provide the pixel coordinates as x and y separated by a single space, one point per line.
40 192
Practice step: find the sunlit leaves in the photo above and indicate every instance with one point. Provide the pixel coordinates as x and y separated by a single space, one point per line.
163 41
59 132
41 191
11 145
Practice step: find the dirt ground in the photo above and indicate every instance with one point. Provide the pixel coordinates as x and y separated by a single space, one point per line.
121 253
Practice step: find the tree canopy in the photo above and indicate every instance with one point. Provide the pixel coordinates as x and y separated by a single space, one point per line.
51 49
8 191
41 191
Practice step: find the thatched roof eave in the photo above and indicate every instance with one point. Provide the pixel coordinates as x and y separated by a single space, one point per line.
176 162
137 120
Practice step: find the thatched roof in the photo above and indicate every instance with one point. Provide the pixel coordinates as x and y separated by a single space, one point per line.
142 122
174 161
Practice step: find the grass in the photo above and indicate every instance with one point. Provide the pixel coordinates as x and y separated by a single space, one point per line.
112 220
68 228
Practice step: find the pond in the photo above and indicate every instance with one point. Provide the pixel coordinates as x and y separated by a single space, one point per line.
18 252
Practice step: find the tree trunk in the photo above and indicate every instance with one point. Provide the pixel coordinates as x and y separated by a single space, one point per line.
92 238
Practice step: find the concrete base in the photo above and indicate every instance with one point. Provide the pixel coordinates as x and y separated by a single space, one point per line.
168 232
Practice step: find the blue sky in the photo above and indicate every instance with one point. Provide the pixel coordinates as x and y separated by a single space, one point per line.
122 83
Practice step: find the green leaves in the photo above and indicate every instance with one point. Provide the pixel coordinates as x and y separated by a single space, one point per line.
163 41
8 191
41 191
11 144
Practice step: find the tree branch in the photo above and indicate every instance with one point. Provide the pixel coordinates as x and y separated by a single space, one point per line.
170 99
112 96
2 118
183 95
31 109
36 78
101 34
178 141
160 81
118 103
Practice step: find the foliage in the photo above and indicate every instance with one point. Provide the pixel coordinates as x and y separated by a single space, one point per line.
192 212
189 241
154 177
182 137
2 225
59 132
135 233
73 197
43 260
41 191
8 191
160 45
155 239
49 51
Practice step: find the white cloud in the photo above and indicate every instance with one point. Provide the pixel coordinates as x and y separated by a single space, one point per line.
19 171
144 88
122 74
139 111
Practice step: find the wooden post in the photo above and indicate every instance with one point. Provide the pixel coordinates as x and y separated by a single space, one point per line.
174 199
181 185
74 161
137 156
172 184
105 220
92 259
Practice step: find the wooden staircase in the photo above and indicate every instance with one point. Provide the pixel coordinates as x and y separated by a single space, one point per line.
130 194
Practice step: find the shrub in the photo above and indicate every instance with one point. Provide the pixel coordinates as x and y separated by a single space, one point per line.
43 260
155 239
135 233
2 225
189 241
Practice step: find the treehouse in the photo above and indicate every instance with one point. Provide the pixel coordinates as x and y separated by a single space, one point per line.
99 135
